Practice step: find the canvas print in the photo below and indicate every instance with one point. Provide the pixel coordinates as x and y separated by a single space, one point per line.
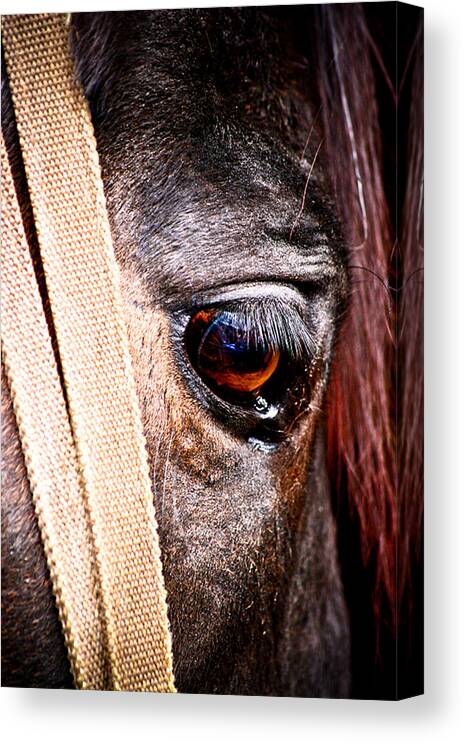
212 354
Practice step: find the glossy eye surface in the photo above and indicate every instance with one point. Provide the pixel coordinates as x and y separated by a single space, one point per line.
257 356
232 357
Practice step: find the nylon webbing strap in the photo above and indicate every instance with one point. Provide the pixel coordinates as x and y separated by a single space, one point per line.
48 446
82 279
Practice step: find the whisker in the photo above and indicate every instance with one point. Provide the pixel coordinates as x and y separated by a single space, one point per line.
373 273
165 474
304 196
157 450
302 157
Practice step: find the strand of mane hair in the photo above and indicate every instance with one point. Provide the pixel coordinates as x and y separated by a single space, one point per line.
374 407
360 436
410 385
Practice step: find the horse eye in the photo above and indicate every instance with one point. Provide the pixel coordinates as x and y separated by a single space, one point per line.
231 357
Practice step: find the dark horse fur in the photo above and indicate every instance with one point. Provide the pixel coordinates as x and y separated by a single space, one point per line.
243 148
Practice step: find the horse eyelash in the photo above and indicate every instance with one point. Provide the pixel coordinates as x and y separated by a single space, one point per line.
272 322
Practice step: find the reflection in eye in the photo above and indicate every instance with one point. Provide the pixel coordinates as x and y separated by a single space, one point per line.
255 354
229 354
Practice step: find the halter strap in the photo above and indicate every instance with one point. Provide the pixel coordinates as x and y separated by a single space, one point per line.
85 451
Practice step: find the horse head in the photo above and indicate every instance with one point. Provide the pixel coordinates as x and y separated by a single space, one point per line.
241 188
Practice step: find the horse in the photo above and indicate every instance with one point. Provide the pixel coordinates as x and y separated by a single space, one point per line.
248 158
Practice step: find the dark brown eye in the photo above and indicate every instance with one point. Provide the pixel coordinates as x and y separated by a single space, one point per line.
258 354
231 356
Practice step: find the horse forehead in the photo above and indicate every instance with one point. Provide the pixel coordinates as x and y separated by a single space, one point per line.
180 63
191 169
222 41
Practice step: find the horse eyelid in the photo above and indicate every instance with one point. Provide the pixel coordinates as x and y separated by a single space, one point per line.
277 323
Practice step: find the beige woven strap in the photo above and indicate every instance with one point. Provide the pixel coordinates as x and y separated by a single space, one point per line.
66 192
48 446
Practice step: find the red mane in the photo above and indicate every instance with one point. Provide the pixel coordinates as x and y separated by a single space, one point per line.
374 416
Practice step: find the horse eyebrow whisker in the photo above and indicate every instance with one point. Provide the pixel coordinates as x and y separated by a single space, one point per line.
165 472
307 141
304 195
